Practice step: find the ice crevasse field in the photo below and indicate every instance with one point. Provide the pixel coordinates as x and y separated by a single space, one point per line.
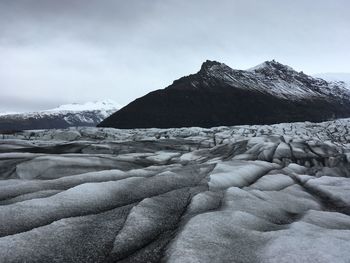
271 193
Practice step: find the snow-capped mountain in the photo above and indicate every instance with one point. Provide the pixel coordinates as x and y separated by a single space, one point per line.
273 78
219 95
68 115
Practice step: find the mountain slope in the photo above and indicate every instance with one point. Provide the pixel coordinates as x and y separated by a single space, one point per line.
219 95
64 116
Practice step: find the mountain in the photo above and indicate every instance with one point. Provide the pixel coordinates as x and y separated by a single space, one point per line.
218 95
64 116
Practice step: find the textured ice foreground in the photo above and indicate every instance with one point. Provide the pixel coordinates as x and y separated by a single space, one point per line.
278 193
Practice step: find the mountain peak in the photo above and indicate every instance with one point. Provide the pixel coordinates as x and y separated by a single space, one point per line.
272 65
208 64
87 106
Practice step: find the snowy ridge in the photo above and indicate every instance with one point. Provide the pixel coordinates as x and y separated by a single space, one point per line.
276 79
87 114
267 64
88 106
104 106
5 113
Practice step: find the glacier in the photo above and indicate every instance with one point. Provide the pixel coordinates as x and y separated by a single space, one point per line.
258 193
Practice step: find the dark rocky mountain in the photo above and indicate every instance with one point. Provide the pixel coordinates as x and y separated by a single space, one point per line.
70 115
218 95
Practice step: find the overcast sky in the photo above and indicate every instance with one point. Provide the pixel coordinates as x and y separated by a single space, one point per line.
62 51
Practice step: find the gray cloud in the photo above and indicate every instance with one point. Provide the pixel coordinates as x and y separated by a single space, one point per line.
55 52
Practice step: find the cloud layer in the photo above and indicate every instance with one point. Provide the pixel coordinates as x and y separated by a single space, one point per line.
55 52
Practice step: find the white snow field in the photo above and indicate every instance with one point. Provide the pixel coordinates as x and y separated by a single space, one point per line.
272 193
